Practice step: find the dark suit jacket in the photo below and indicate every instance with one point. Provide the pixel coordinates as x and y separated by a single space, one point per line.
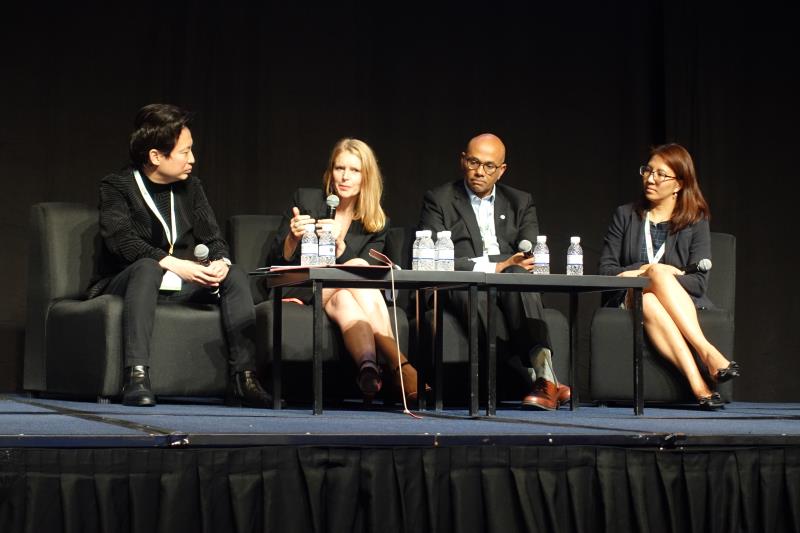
623 244
130 231
447 207
312 202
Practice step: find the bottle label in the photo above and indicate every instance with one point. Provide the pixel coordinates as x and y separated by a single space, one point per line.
327 250
447 255
427 253
308 248
541 259
574 259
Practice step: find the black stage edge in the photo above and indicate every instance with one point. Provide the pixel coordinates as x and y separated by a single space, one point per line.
82 467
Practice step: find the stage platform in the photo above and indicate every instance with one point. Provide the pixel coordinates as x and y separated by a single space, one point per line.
35 422
193 465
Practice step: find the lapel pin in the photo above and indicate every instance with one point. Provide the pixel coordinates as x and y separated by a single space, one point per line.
502 217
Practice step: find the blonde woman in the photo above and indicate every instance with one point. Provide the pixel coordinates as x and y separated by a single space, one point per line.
359 225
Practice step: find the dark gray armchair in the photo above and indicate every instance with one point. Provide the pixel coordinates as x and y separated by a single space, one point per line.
612 340
74 346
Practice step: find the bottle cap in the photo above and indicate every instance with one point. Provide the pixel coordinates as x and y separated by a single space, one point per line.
427 233
420 233
327 227
309 228
541 238
575 240
441 234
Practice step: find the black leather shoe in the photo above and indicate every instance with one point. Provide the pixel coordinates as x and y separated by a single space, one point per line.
245 390
136 387
728 373
711 403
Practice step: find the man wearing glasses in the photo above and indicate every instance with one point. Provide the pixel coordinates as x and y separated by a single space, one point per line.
487 221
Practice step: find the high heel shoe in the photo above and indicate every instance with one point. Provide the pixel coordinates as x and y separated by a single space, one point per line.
710 403
369 379
728 373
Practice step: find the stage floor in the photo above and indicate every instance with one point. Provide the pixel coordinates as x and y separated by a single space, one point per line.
50 423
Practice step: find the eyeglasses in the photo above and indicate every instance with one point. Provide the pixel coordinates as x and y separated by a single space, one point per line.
659 175
488 167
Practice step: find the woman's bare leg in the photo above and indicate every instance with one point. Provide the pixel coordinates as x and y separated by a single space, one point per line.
680 307
670 343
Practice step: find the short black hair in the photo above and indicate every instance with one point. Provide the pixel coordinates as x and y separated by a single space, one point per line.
156 126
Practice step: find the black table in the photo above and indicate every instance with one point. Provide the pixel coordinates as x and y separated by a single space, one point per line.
360 277
572 285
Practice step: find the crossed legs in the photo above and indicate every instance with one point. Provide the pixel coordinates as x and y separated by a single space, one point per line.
363 318
670 320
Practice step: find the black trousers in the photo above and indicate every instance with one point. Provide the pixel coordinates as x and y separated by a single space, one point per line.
138 285
520 326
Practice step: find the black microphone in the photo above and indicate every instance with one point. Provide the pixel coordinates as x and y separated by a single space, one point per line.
525 247
201 256
333 202
704 265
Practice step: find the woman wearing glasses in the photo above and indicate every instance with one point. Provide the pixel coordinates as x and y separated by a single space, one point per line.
359 225
655 237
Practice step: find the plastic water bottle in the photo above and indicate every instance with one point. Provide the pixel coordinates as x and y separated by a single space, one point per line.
574 257
309 248
541 256
427 252
444 252
327 246
415 252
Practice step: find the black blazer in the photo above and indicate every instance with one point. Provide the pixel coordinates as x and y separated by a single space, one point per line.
131 232
623 244
447 207
312 202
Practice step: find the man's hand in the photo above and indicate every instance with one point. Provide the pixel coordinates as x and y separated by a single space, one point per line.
518 259
189 271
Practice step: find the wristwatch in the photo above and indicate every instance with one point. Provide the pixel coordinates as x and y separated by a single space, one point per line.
226 261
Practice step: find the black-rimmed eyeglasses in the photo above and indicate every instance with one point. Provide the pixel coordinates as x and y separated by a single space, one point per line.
488 167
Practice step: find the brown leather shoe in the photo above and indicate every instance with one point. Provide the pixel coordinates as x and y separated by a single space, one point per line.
563 394
543 396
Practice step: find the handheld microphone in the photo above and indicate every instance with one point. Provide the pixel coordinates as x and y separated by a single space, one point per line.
333 202
704 265
525 247
201 256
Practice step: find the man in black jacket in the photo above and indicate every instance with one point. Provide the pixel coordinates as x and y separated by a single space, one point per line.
487 221
151 217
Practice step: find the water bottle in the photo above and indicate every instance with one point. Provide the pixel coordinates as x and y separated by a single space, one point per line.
541 256
444 252
574 257
327 246
309 249
415 252
427 252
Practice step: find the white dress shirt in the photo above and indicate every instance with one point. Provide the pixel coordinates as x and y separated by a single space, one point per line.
484 213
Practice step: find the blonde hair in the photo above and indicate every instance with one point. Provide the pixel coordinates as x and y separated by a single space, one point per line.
368 207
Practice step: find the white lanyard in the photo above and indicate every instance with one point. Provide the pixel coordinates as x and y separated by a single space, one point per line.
171 235
648 240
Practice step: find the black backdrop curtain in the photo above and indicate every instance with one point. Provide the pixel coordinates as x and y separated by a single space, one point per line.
481 489
577 90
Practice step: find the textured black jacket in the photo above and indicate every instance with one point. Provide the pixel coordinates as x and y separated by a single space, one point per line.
130 231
